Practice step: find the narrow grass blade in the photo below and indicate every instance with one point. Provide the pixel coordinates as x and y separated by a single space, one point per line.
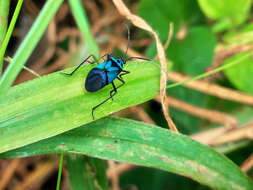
4 10
29 43
56 103
59 172
147 145
82 22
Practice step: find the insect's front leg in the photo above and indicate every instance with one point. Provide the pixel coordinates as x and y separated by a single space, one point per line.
123 72
86 60
121 80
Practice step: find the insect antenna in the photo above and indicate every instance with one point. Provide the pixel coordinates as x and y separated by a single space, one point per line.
147 59
128 42
142 58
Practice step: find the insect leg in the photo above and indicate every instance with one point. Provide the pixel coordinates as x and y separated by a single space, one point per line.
86 60
123 72
111 95
121 79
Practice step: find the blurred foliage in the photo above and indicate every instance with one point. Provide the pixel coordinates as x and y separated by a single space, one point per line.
241 76
229 13
203 30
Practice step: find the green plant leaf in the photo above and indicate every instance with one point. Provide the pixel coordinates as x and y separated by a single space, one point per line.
29 43
179 12
53 104
147 145
86 173
241 75
230 13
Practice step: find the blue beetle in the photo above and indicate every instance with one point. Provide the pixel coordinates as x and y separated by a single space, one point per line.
105 73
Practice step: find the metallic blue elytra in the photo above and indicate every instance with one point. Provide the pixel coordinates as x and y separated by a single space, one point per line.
105 73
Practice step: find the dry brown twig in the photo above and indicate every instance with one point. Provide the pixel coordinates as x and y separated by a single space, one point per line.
63 57
167 43
222 54
211 115
244 132
62 12
48 54
37 177
119 169
114 175
139 22
141 114
222 135
212 89
247 164
8 173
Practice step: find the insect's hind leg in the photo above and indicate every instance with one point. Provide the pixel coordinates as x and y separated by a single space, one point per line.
111 95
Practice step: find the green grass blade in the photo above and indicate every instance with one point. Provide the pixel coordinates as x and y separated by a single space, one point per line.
53 104
147 145
29 43
82 22
4 10
59 172
91 173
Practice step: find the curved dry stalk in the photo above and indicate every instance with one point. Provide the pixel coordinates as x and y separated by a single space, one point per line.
139 22
247 164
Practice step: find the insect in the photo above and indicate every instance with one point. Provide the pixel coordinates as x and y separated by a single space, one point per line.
105 73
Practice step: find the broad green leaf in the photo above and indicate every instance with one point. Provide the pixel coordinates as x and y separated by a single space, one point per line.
146 145
229 12
159 14
86 173
194 54
241 75
217 9
53 104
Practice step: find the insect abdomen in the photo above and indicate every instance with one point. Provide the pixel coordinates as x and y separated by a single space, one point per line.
95 80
